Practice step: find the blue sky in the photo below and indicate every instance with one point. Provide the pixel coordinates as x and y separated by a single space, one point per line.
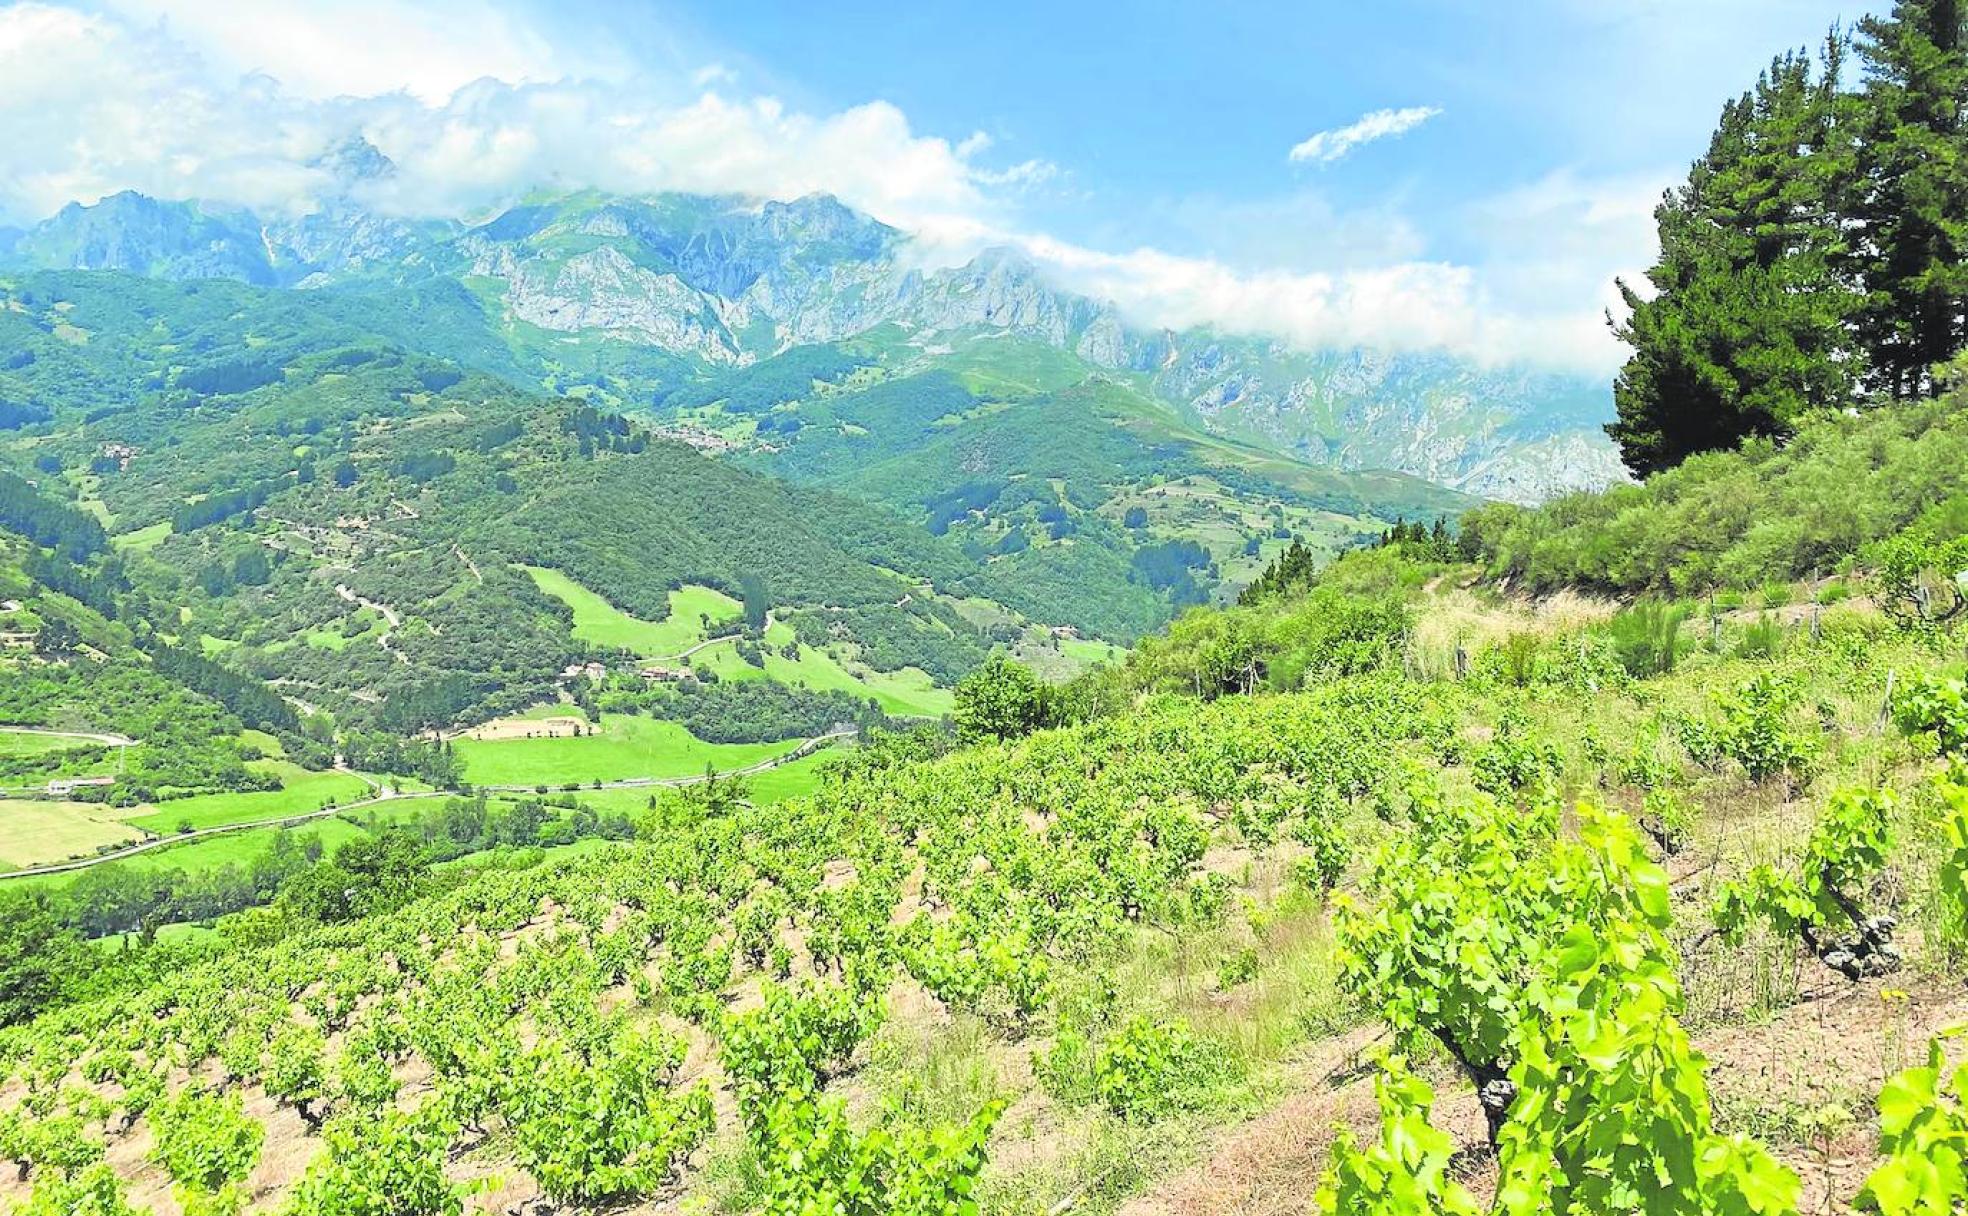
1154 111
1142 150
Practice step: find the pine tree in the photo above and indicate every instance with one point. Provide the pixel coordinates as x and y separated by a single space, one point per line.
1911 197
1746 328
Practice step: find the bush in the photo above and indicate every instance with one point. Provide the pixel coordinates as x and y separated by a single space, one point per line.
1237 969
1756 733
1647 637
1001 700
1147 1070
1935 705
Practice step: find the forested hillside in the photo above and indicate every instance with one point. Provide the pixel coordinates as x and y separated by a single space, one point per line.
279 506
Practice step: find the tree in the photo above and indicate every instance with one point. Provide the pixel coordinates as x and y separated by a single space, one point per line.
1911 197
1746 328
1294 570
56 637
36 955
1001 700
751 589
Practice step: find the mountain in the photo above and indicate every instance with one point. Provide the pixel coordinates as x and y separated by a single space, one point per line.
1509 433
626 297
383 535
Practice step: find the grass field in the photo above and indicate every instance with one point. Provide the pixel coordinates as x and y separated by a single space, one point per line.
603 624
628 746
790 780
36 833
22 743
1090 651
303 791
908 693
234 848
144 539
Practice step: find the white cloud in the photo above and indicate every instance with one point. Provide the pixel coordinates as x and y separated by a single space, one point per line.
329 48
1408 306
92 103
1325 147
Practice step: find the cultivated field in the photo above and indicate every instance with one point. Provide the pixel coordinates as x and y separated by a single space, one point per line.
36 833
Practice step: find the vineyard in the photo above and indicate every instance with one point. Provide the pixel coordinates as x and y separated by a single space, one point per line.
1064 971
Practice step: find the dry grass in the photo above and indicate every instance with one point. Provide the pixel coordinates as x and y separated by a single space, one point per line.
1460 617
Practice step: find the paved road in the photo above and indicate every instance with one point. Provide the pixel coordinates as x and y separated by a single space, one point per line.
385 794
161 842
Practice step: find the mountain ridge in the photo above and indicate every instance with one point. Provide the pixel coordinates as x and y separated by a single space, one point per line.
710 283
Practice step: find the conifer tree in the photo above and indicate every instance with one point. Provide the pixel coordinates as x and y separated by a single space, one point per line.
1910 204
1746 328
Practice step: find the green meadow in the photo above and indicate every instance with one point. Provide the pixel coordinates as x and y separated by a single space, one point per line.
25 743
603 624
909 693
302 791
627 746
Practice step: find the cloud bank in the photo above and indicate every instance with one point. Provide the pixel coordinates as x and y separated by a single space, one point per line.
175 99
1325 147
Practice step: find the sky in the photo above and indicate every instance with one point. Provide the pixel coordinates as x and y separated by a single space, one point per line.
1464 176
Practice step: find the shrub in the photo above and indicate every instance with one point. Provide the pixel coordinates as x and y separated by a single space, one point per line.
1516 759
1647 637
1761 639
1147 1070
1935 705
1237 969
208 1145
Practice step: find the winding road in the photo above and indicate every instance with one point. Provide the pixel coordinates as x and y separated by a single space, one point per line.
384 794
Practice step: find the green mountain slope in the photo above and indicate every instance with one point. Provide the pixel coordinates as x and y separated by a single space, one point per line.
315 507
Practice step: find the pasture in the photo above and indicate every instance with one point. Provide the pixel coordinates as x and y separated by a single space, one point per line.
24 743
302 791
601 623
626 746
908 693
38 833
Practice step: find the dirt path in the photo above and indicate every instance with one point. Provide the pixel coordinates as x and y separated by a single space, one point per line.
716 641
106 738
469 564
389 615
